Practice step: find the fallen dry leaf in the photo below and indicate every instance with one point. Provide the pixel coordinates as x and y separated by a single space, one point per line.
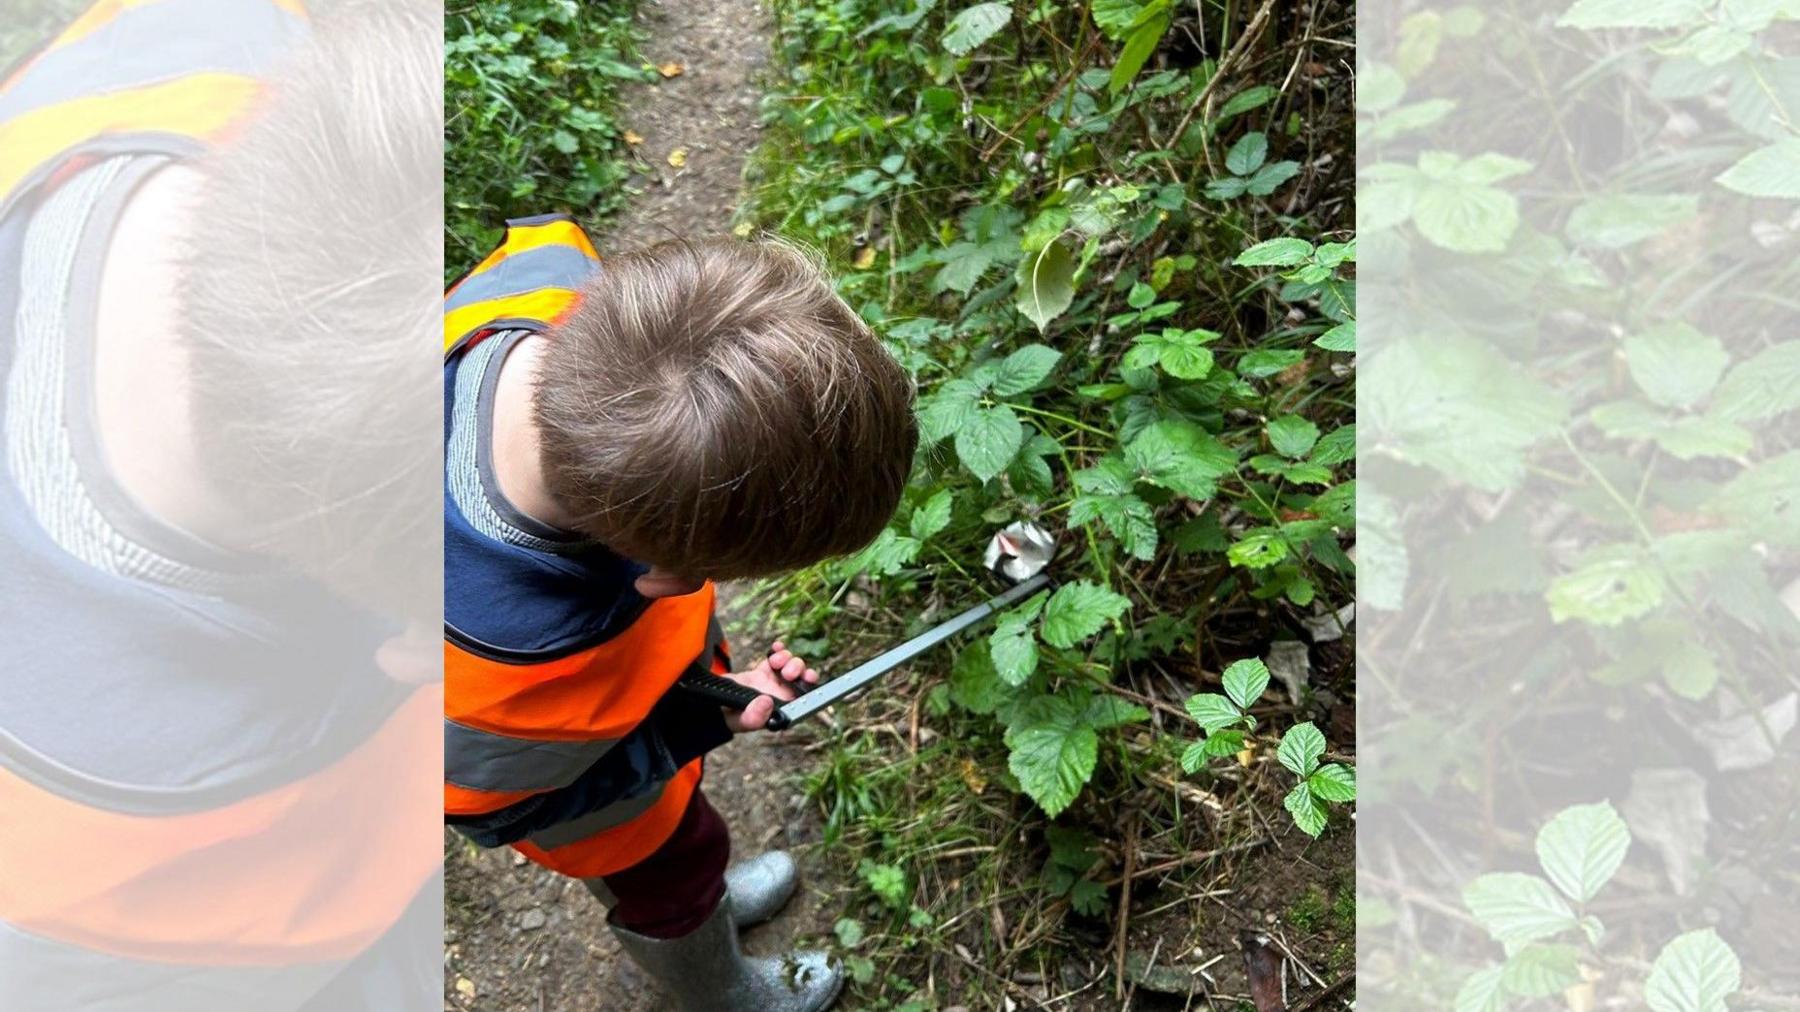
743 229
633 138
972 777
865 258
465 987
678 158
671 70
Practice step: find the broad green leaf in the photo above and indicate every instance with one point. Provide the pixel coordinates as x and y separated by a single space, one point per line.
1223 743
1634 13
1111 711
1193 757
1763 499
1181 353
1339 338
886 555
974 683
1253 97
1337 447
1616 220
1117 18
1772 171
1245 681
1025 369
1309 812
1540 971
976 25
1379 87
1079 610
1180 456
1258 549
1333 782
1053 755
1465 218
1694 973
1046 284
1612 585
1212 711
1481 992
1762 386
1286 251
1248 154
1014 650
1137 50
1265 362
1582 847
1674 363
1107 496
1292 436
948 409
1420 34
1517 908
1300 749
1268 178
933 516
989 440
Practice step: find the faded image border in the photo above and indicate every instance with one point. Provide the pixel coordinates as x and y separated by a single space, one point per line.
220 505
1579 520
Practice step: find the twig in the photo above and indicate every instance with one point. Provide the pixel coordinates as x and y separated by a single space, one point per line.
1226 65
1131 832
1194 858
1330 989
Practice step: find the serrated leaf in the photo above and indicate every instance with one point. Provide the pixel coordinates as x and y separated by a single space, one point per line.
1582 847
1212 711
1694 973
975 25
933 516
1079 610
1675 364
1613 585
1292 436
1517 908
946 410
1046 284
1111 711
1224 743
1617 220
1025 369
1245 681
1339 338
1772 171
974 683
1309 813
1333 782
1248 154
1762 386
1180 456
1193 757
1258 549
1481 992
1300 749
1117 18
989 440
1465 218
1270 177
1053 755
1014 651
1285 251
1540 971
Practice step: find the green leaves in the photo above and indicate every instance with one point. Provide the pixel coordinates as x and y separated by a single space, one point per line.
948 409
933 516
1292 436
1244 682
1286 251
1053 752
1248 154
1046 284
1309 813
1180 353
1593 14
1617 220
1582 847
1675 364
1300 749
1772 171
1516 908
1696 972
1452 201
1249 174
975 25
989 439
1013 643
1079 610
1180 456
1025 369
1614 584
1138 47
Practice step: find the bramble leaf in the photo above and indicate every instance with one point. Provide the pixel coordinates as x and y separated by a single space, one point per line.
1079 610
975 25
1245 681
1300 749
1582 847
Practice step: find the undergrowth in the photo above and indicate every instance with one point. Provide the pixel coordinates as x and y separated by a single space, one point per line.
1112 242
530 92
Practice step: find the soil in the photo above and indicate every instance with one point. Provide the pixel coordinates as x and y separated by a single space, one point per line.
519 938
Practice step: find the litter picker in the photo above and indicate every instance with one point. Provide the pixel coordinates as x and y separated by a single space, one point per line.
1018 554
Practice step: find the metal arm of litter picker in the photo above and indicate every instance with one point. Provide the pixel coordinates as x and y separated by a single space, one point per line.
731 694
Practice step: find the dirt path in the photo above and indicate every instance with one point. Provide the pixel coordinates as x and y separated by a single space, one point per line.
520 939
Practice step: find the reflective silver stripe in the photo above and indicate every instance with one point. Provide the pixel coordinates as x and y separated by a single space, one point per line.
483 761
155 44
616 814
554 266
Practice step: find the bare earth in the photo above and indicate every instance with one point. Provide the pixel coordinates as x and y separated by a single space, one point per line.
518 938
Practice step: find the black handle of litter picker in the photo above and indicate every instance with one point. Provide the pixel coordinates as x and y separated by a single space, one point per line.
728 693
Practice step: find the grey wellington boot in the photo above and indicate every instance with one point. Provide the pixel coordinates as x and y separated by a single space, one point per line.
757 889
706 971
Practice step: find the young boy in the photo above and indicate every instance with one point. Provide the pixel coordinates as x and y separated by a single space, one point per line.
618 435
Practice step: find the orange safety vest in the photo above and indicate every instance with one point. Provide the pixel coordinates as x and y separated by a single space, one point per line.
519 725
250 882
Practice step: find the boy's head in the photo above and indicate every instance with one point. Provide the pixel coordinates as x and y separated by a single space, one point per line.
715 409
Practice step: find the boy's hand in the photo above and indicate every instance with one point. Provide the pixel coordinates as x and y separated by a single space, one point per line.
776 675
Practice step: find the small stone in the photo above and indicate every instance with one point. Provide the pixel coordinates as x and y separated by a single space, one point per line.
532 919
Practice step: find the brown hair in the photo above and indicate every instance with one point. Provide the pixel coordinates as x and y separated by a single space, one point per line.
713 407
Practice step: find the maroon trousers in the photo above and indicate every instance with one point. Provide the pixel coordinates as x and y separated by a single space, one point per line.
673 891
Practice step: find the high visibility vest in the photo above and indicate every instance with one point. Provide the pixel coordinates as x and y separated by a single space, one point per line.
119 880
523 719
